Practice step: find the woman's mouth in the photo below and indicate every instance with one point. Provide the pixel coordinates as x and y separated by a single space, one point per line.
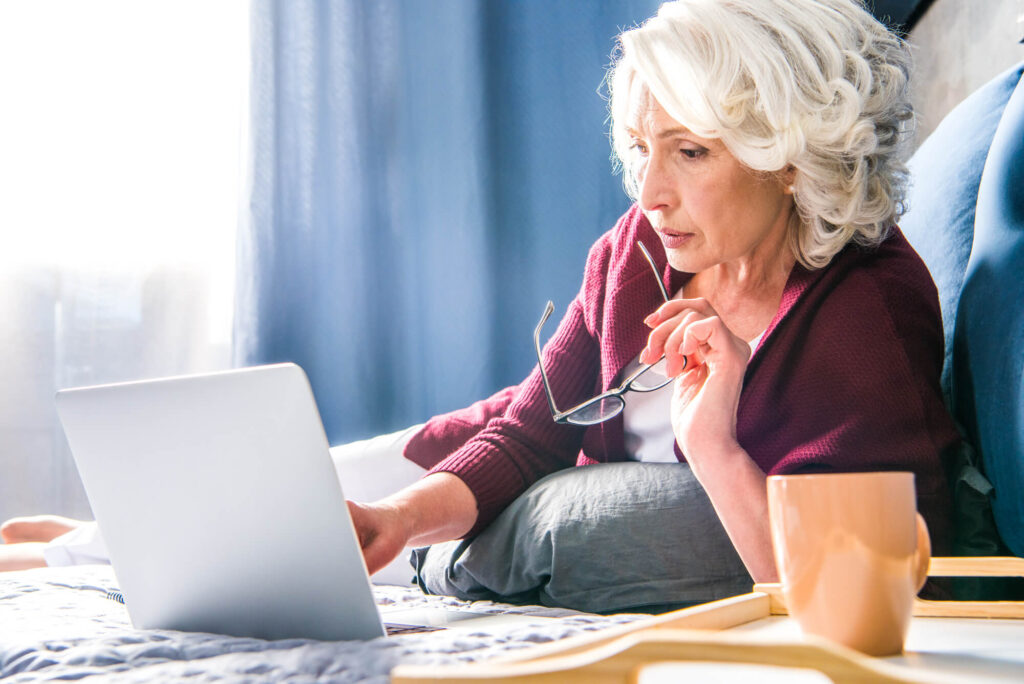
672 239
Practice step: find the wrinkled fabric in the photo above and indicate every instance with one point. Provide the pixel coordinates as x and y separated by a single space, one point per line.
57 623
601 538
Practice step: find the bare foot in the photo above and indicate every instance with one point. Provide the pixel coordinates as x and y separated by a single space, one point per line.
22 556
37 528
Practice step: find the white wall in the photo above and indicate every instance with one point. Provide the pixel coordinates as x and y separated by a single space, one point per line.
959 45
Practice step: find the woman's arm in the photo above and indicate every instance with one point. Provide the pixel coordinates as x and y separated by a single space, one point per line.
704 409
737 489
437 508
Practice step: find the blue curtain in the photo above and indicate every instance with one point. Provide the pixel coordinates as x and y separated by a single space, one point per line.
423 177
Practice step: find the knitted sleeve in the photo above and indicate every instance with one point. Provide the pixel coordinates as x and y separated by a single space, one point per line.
444 434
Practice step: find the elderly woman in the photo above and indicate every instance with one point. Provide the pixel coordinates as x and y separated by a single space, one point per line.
787 327
761 141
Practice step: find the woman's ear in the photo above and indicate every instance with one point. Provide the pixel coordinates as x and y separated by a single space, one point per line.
787 177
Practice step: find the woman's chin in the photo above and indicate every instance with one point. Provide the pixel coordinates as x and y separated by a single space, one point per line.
683 260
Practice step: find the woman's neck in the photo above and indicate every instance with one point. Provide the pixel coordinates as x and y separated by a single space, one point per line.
745 293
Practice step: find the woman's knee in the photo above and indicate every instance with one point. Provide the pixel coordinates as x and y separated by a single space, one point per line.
599 538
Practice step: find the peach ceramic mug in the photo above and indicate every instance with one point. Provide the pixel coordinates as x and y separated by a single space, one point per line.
852 553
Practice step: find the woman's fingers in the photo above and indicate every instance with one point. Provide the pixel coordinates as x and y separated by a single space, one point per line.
699 335
694 375
707 334
666 320
675 306
376 537
672 346
688 339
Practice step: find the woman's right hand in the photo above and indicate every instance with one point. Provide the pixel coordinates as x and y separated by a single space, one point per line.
380 530
437 508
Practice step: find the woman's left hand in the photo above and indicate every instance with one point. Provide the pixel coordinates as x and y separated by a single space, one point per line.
709 362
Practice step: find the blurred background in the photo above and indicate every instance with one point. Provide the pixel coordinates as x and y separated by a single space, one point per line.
384 192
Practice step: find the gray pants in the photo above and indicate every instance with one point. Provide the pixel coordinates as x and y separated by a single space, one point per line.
603 538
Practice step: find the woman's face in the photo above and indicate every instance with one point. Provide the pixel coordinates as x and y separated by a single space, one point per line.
707 208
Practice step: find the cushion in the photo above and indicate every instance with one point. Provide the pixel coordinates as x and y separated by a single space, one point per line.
988 361
600 538
945 173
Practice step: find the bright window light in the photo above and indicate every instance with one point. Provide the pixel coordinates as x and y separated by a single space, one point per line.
120 133
121 129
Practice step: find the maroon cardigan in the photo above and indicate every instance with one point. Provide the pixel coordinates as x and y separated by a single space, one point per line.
845 378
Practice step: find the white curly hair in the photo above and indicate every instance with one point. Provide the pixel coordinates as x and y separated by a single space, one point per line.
819 86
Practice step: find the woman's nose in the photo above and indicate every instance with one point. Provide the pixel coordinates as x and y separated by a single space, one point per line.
657 187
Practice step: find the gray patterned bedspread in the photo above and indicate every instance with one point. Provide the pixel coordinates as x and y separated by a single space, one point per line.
57 623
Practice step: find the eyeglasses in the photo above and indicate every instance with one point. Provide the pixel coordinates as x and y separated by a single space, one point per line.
605 406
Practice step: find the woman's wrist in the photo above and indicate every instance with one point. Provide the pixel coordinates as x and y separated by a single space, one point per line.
719 460
736 486
437 508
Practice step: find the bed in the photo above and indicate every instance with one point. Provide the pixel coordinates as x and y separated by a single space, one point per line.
59 623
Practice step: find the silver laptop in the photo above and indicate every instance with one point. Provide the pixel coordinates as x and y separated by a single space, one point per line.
221 508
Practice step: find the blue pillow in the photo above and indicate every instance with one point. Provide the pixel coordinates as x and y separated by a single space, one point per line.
988 361
945 173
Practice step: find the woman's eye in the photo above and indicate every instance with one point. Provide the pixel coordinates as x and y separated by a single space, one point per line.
638 147
692 153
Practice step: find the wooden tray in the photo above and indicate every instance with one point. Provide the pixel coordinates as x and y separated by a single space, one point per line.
747 629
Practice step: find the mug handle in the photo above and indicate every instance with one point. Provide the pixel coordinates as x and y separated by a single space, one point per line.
924 553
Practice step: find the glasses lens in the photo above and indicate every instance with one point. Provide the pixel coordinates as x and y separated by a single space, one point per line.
596 412
651 379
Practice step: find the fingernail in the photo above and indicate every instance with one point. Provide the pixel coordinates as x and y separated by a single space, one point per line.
649 321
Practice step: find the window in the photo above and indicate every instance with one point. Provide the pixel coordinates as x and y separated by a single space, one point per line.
121 130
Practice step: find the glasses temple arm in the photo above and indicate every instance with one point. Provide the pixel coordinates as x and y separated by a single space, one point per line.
657 277
654 269
540 363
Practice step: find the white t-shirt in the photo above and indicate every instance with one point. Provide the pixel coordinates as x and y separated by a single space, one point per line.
646 421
